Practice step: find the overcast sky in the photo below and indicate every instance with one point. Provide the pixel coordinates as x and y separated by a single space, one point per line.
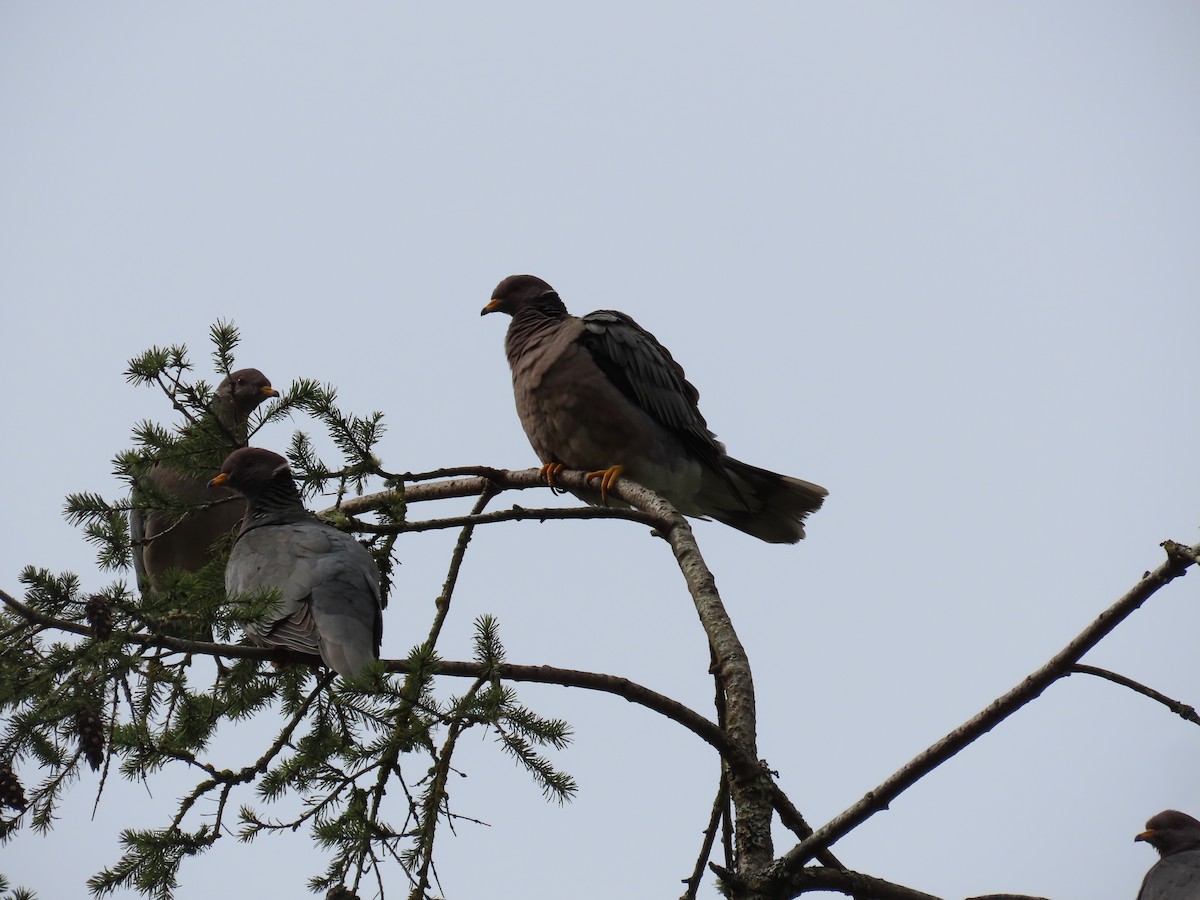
941 258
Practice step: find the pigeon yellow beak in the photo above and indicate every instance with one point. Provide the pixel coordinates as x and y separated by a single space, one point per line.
269 391
492 306
224 476
1145 835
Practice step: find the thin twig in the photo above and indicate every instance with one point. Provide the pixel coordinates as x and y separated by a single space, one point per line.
438 797
719 814
456 561
516 514
1180 709
485 472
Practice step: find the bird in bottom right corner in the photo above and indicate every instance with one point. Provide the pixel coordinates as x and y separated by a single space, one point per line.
1176 876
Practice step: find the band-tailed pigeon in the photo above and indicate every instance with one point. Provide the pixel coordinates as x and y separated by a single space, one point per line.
1176 876
328 582
602 395
165 540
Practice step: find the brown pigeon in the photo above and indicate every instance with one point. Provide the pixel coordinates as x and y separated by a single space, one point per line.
1176 876
600 394
163 541
328 583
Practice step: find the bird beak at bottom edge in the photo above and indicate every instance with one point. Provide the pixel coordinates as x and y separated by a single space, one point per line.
219 480
1145 835
492 306
270 392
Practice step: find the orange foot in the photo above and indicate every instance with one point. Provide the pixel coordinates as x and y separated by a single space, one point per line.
608 477
550 472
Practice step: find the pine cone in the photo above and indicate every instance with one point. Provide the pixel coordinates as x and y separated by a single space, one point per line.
98 611
11 792
90 728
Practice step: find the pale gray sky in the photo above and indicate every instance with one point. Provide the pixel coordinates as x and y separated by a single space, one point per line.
939 257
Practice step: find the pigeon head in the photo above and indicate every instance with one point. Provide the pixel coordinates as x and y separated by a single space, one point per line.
250 470
1171 832
239 393
518 292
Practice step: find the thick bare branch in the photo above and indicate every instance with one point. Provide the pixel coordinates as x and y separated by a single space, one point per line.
751 791
1179 559
843 881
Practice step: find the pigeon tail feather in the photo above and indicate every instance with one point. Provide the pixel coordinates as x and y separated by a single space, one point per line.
767 505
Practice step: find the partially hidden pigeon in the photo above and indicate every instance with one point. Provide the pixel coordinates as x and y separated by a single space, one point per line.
1176 876
328 582
600 394
165 540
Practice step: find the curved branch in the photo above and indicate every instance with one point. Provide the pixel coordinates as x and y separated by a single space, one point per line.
750 790
703 728
1179 559
843 881
641 695
1180 709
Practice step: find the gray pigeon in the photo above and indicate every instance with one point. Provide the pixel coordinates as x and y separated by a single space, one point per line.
600 394
329 583
1176 876
162 541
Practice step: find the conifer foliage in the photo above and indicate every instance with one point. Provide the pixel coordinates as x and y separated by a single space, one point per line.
116 679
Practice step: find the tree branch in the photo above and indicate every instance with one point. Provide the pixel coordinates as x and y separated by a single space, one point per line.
750 790
1180 709
677 712
750 787
516 514
1179 559
442 603
720 805
818 878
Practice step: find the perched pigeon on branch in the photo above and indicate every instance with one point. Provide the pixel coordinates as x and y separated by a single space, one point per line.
163 540
600 394
1176 876
328 583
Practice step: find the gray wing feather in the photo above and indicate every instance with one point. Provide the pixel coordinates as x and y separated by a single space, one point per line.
1174 877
